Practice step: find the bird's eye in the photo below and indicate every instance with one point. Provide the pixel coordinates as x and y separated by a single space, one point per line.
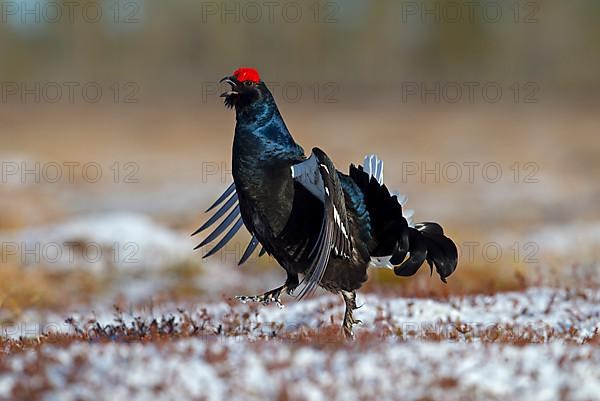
248 83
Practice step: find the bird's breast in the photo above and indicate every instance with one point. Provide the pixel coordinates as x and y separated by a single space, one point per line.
265 195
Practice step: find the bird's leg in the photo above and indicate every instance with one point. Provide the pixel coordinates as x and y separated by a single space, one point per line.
349 321
273 296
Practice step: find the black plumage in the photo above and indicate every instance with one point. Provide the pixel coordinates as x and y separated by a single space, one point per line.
314 220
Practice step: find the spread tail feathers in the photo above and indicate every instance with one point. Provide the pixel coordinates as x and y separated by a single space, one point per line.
427 242
394 235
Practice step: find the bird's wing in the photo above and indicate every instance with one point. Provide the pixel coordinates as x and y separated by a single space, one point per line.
319 176
233 222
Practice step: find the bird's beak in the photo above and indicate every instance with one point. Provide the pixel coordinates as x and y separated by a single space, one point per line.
234 85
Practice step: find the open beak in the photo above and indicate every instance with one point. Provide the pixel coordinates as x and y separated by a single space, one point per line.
234 85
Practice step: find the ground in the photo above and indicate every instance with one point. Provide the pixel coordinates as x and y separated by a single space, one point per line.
541 344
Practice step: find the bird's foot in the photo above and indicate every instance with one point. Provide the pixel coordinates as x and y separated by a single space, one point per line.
265 299
349 321
348 331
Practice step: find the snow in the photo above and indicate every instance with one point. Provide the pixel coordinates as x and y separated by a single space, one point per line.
542 311
563 239
100 241
255 352
379 371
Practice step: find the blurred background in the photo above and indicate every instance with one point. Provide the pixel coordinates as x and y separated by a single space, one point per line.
115 140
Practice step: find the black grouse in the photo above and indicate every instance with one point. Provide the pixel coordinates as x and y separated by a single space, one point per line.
316 221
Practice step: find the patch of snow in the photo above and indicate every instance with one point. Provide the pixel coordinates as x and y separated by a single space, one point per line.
243 360
100 241
542 311
384 371
567 238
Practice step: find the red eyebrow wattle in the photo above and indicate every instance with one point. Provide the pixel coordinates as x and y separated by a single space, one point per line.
247 74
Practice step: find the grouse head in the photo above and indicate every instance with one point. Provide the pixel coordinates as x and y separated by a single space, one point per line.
246 89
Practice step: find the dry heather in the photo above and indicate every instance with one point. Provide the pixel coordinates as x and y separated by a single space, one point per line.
541 343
